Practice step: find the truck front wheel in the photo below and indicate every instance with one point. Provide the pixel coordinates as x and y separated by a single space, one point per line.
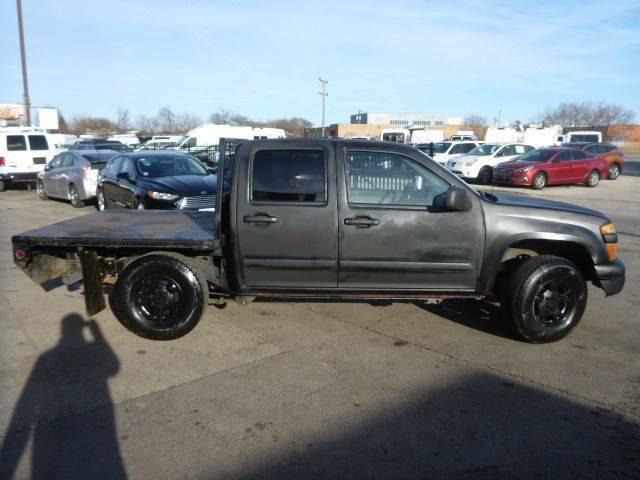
545 299
160 296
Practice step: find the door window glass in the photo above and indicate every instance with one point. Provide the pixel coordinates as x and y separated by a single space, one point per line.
16 143
565 157
38 142
579 155
381 178
55 163
127 167
289 176
508 151
461 148
67 160
115 165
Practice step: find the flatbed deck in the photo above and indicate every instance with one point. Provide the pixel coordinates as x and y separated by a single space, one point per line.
128 228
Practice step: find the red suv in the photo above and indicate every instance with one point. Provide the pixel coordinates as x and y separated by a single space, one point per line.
613 156
552 166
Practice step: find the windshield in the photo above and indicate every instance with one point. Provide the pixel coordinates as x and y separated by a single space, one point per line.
486 149
536 156
166 166
441 147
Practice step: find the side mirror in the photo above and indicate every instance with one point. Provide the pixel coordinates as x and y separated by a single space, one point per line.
47 168
455 199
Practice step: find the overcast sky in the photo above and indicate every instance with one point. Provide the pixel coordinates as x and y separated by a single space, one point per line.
263 59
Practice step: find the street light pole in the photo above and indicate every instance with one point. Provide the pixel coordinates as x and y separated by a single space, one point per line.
324 102
23 55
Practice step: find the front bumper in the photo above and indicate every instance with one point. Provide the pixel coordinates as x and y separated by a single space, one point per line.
610 276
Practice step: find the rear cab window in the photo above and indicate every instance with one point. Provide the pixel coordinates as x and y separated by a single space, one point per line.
289 176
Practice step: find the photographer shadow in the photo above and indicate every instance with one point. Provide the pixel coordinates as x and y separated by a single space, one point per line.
66 408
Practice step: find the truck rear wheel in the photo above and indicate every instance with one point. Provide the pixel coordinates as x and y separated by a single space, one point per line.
160 296
545 299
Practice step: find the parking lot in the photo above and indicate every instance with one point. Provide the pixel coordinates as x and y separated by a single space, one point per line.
283 390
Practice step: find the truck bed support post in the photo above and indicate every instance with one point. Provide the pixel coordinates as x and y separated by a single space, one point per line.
93 297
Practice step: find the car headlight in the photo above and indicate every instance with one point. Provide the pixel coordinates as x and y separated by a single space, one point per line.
162 195
524 169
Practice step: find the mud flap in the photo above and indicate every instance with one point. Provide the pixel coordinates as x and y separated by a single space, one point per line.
93 297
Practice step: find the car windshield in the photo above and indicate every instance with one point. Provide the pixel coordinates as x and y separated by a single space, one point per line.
486 149
536 156
441 147
170 166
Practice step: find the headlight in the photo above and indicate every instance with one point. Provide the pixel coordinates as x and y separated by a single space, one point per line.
162 195
524 170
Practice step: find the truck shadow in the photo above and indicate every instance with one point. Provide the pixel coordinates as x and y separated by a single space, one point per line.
66 409
477 314
480 427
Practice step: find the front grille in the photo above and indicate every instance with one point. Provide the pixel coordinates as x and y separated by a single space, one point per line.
197 201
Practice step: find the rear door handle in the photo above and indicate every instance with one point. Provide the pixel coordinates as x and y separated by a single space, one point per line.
361 221
260 218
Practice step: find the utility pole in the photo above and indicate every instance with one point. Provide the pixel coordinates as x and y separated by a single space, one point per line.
23 55
324 102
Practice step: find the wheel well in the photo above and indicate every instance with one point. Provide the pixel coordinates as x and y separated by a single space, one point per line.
572 251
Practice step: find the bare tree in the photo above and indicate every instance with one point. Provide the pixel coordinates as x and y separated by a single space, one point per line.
167 120
477 124
85 124
187 121
123 122
572 114
221 117
147 124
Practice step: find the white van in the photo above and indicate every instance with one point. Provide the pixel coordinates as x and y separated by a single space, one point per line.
210 134
398 135
582 136
263 133
129 139
159 142
426 136
23 153
543 137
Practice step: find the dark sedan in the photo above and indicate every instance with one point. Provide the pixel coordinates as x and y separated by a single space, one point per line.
156 180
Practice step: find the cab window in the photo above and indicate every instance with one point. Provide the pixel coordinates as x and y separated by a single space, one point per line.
381 178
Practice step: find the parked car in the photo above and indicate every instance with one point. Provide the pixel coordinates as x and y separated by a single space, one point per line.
613 156
73 175
478 164
552 166
161 179
160 142
100 145
333 219
443 151
23 154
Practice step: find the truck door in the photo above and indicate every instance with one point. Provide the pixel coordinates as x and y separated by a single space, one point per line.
287 234
390 236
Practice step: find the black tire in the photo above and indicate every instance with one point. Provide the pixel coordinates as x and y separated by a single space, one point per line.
74 197
539 181
101 201
613 172
485 176
544 299
160 296
3 185
42 192
593 179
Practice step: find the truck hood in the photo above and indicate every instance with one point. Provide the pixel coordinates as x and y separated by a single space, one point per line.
529 202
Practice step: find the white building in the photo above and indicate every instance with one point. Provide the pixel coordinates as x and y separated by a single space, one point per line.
405 119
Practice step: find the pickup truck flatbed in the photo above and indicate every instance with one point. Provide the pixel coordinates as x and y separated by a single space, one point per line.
333 219
155 229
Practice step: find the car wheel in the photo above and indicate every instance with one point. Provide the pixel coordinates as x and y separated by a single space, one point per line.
3 185
74 197
539 181
42 193
544 299
101 202
593 178
614 171
160 296
485 177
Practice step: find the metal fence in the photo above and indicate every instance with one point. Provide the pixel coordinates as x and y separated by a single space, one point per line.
207 154
428 148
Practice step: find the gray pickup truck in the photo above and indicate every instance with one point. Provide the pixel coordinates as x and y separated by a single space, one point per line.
333 219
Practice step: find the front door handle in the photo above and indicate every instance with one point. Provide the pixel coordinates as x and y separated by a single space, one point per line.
361 221
260 218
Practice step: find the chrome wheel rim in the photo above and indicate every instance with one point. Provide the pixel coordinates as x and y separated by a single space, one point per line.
140 206
40 188
73 195
100 201
593 178
614 171
539 181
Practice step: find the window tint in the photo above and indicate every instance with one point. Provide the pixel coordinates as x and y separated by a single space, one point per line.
565 157
16 143
288 176
579 155
462 148
592 148
38 142
381 178
68 160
